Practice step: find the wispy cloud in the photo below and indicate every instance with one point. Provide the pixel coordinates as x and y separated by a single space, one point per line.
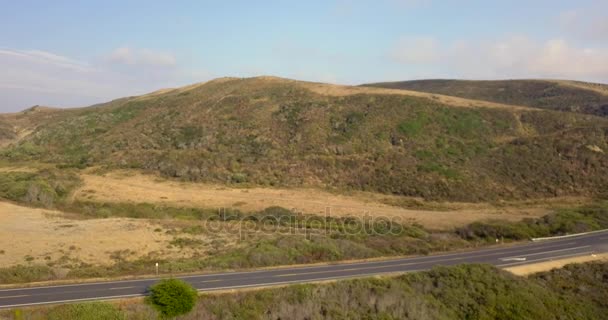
135 56
40 77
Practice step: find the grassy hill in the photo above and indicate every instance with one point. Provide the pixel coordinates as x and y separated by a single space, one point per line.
561 95
270 131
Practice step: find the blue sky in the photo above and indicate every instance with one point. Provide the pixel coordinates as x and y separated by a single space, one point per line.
76 53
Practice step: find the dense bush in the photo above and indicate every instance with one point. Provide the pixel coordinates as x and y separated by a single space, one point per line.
45 188
172 297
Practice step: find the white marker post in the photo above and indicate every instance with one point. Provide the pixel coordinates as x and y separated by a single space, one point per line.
157 268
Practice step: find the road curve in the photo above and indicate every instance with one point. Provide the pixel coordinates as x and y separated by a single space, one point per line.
588 244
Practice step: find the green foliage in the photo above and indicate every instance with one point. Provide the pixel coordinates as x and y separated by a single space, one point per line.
139 210
172 297
186 242
45 188
21 274
86 311
580 282
23 151
564 221
413 127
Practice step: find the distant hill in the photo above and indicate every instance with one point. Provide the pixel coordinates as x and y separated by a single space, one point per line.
561 95
269 131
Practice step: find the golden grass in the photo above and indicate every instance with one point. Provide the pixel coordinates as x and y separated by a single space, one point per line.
39 236
130 186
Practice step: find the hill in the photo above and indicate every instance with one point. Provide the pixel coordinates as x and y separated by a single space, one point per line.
276 132
574 96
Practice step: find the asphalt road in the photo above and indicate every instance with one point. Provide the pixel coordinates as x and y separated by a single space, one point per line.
534 252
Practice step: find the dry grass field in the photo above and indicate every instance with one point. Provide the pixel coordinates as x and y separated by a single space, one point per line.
128 186
39 236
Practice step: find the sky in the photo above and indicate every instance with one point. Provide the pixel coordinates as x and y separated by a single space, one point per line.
77 53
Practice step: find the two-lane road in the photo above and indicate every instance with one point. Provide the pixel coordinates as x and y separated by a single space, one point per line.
588 244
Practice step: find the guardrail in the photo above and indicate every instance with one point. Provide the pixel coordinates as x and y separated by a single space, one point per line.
568 235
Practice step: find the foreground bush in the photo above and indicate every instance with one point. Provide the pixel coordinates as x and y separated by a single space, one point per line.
172 297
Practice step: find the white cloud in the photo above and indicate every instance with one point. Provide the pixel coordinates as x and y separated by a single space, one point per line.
131 56
31 77
511 57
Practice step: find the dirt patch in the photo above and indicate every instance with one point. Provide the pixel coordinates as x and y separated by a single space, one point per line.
555 264
38 236
121 186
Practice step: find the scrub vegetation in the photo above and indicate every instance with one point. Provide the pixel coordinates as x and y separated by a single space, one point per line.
276 132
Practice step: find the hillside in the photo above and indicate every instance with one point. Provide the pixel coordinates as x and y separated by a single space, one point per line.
560 95
276 132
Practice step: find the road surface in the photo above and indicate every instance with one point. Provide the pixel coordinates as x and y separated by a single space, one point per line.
502 257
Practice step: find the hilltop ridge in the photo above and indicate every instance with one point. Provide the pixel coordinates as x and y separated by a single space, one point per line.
561 95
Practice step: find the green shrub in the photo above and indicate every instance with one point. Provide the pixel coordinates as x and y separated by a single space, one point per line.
172 297
20 274
86 311
45 188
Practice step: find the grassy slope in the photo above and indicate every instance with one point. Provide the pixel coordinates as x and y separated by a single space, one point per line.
297 239
546 94
459 292
276 132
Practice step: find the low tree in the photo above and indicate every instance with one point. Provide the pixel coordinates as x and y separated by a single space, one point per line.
172 297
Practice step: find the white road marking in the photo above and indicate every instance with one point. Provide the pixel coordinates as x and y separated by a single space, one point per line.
120 288
546 259
216 280
513 259
544 252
